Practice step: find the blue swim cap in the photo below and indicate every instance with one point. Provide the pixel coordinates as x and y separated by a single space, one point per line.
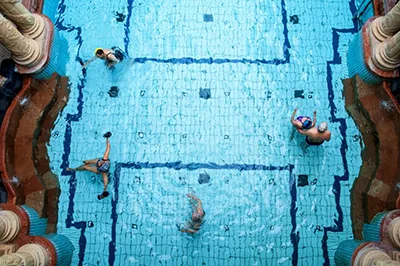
307 124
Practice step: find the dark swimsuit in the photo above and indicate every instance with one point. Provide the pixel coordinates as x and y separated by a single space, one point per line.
312 143
104 167
117 53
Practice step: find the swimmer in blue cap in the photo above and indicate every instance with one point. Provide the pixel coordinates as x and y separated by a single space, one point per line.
302 122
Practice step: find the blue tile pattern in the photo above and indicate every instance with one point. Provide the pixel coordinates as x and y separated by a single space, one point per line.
165 136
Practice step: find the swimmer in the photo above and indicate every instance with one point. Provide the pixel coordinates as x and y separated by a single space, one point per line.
316 136
303 122
98 166
111 56
198 214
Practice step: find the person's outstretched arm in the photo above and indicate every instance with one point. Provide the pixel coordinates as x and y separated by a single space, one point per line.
199 203
315 119
108 147
294 113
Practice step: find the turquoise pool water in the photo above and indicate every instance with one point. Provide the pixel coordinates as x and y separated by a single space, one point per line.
208 90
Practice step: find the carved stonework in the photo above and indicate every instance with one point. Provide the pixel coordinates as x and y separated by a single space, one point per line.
27 255
25 51
387 26
10 226
12 260
386 55
30 24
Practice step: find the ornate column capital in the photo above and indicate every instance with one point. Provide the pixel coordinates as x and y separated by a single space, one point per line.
29 24
10 226
388 25
24 51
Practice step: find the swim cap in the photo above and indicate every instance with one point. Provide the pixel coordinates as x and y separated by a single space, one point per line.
322 127
307 124
95 51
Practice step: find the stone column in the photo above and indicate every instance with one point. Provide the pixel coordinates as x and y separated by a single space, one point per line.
24 51
29 24
394 232
10 226
386 55
27 255
388 25
370 255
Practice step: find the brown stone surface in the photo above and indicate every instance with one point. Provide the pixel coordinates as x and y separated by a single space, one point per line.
25 153
379 122
36 200
7 134
352 90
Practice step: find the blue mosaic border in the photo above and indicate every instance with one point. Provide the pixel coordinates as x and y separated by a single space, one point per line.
295 237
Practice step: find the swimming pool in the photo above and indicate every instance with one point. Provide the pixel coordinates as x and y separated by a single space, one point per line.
208 90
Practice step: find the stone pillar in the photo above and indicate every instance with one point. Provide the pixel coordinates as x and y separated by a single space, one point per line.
24 51
394 232
386 55
386 263
27 255
370 255
388 25
10 226
29 24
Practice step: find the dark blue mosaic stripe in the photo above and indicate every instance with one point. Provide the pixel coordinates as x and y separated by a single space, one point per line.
81 225
337 60
127 25
190 60
294 236
196 166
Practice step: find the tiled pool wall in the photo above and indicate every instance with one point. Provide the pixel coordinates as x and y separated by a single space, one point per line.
209 89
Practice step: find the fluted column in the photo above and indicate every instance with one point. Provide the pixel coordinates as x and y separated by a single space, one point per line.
10 226
386 55
394 232
29 24
24 51
388 25
27 255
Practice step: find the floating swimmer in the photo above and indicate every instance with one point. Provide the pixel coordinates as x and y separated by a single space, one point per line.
193 225
98 166
303 122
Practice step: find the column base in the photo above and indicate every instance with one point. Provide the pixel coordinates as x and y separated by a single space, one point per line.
38 252
377 31
42 58
37 28
381 60
369 44
12 225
